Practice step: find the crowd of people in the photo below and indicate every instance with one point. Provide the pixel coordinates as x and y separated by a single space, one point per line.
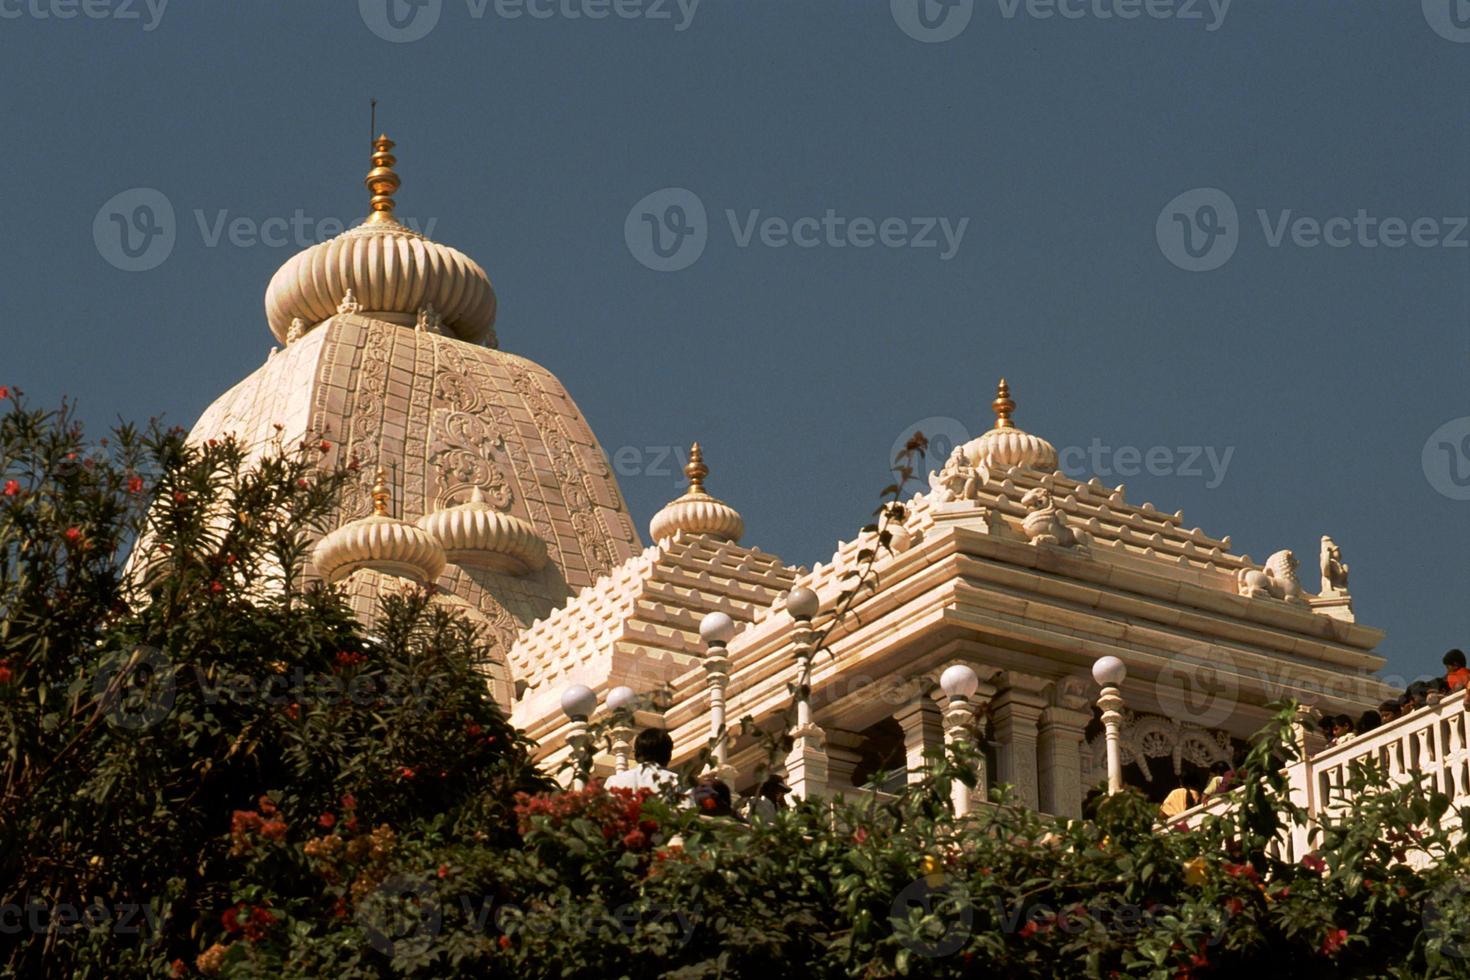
1340 728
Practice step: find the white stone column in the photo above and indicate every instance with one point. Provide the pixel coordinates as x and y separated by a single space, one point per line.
1015 714
806 763
923 731
1059 755
959 721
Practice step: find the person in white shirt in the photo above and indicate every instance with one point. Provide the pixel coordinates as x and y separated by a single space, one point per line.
652 750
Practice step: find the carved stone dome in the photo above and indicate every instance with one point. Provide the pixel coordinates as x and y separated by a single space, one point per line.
476 535
1005 445
696 512
392 273
381 543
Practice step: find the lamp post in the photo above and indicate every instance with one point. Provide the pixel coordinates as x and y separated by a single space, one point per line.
959 684
806 763
620 703
1110 672
716 630
578 702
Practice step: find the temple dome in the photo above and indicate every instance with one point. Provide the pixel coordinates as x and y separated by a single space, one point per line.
476 535
390 271
696 512
1005 445
381 543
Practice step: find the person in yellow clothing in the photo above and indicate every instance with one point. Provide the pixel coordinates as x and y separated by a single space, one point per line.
1178 800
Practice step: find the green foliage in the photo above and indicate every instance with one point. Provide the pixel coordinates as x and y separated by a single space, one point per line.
196 737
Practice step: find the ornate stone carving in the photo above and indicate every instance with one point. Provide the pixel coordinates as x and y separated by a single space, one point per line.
1278 580
296 331
429 321
958 479
1043 523
463 456
349 304
1145 737
1334 569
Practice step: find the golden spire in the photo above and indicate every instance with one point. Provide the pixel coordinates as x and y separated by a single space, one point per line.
1003 406
382 180
696 470
381 496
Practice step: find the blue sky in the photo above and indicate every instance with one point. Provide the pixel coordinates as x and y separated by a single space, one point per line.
897 210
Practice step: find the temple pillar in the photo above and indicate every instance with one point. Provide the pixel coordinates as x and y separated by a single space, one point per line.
923 731
1059 750
1015 714
844 754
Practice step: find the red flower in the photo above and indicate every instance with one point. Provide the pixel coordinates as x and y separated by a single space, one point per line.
350 658
273 830
325 446
5 673
1334 941
349 802
1028 930
302 483
1247 871
4 392
326 820
635 840
504 942
135 484
230 918
443 871
860 835
73 534
177 969
407 772
339 910
293 711
473 730
1314 862
180 497
12 487
708 803
1234 905
216 587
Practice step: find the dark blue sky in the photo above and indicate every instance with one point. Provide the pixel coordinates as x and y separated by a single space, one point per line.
1333 375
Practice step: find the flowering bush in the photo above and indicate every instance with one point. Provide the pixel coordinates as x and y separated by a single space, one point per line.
163 753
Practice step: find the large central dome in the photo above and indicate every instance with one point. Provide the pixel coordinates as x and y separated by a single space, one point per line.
392 273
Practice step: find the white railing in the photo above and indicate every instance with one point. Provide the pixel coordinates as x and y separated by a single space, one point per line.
1433 740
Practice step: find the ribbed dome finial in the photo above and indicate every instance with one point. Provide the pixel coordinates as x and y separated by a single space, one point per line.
696 512
1006 445
382 498
1003 406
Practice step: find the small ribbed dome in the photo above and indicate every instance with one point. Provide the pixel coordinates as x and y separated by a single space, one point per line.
381 543
476 535
696 512
392 272
1005 445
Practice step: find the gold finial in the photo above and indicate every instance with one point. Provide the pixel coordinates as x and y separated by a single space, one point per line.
382 180
696 470
381 497
1003 406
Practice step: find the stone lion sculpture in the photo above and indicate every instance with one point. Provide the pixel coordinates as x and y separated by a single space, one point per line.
1277 580
1043 523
